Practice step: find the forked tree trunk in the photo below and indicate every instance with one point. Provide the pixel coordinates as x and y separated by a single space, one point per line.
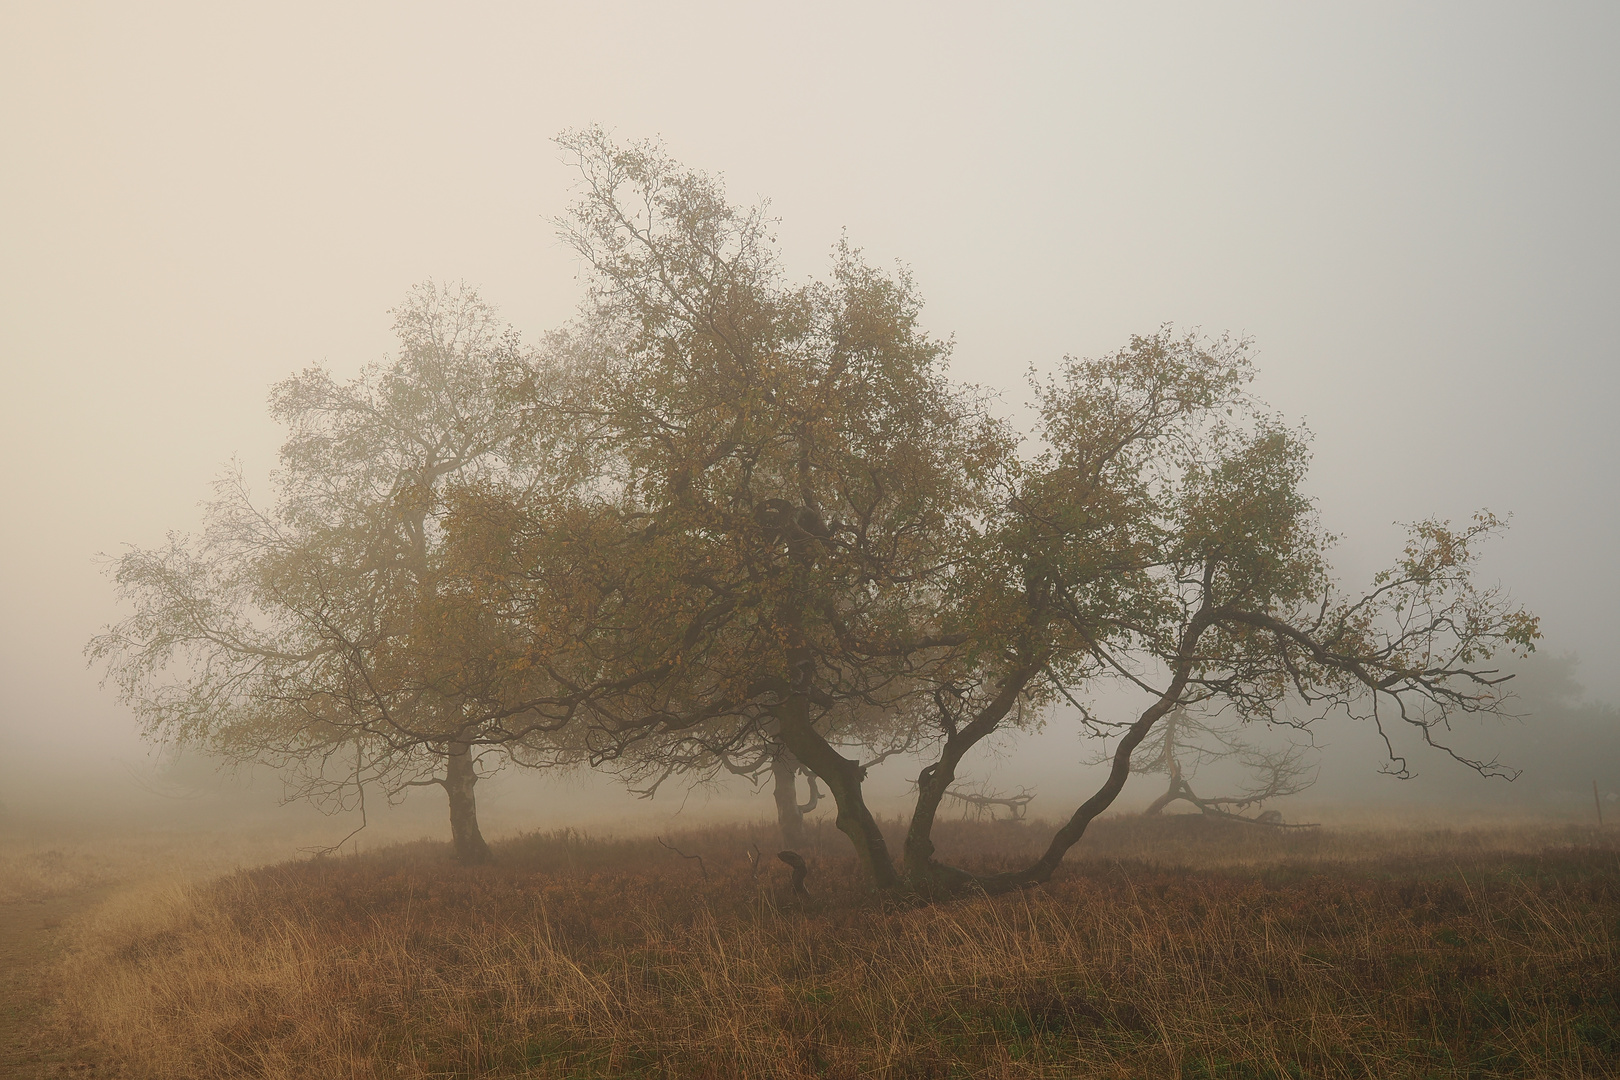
1178 789
1071 831
789 818
925 875
460 776
1157 806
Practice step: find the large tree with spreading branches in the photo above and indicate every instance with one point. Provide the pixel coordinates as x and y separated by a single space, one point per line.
798 514
724 520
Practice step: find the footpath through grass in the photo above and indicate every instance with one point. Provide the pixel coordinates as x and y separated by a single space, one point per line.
1181 947
54 877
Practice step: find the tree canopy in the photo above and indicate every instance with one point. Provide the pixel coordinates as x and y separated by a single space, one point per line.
723 515
328 633
797 515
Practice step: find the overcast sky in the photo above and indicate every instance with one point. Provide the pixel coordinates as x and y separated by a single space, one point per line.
1412 209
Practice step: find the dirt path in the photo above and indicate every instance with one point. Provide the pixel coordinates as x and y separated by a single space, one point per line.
32 935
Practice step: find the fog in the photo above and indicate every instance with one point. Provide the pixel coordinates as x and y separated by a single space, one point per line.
1411 212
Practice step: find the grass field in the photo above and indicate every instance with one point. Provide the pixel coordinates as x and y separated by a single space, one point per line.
1178 947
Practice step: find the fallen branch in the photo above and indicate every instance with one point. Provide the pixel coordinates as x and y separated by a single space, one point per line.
984 801
1271 818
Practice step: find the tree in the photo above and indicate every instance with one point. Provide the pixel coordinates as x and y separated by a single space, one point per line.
783 470
799 514
1187 742
331 634
1161 538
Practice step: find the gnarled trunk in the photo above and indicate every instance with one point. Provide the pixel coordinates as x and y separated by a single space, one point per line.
924 873
1178 789
1157 806
1072 830
460 776
843 779
927 876
789 819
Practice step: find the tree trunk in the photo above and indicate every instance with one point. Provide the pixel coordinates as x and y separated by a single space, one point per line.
1158 805
924 873
1069 835
789 819
843 779
1177 790
460 777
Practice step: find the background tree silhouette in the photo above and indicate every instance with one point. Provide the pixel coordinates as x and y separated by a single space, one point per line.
1187 742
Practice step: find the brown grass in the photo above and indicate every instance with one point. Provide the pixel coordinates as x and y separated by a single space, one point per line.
1166 948
31 875
42 861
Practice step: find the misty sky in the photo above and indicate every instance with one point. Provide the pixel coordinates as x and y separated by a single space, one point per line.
1411 209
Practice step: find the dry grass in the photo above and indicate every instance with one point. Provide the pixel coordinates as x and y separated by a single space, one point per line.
1231 952
31 874
42 861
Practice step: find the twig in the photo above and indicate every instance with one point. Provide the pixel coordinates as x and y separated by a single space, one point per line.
754 856
323 852
332 849
684 855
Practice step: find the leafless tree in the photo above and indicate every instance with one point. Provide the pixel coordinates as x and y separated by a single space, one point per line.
1188 742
